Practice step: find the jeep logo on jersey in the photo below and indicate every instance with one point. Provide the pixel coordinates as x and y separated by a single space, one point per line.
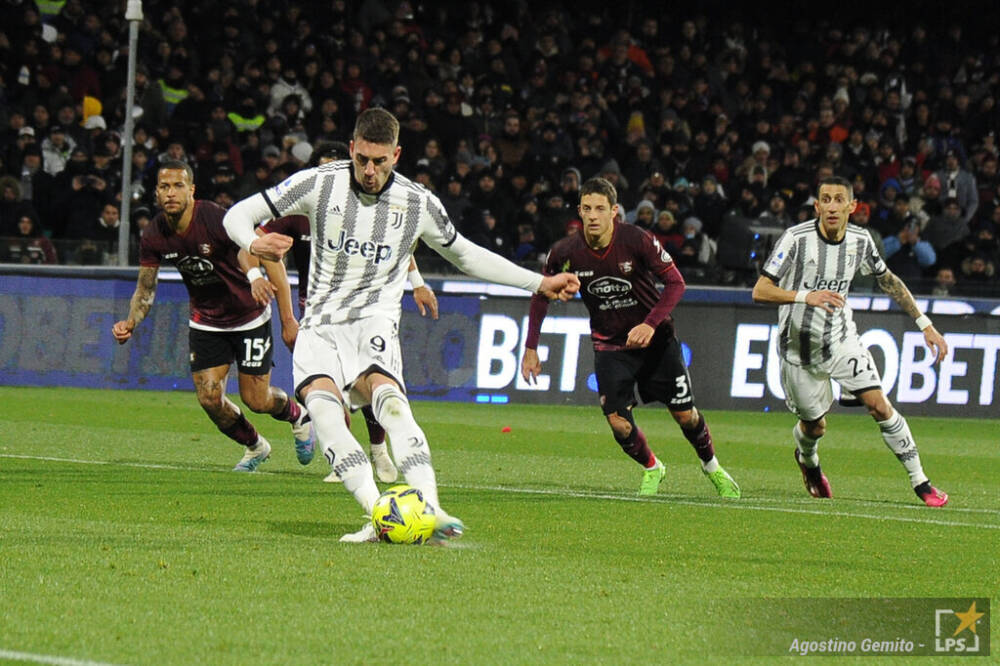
376 253
609 287
830 285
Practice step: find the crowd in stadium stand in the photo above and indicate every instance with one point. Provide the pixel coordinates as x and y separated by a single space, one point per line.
714 131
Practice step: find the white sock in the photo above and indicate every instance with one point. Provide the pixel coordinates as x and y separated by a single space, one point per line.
379 449
807 446
711 465
897 436
409 444
342 451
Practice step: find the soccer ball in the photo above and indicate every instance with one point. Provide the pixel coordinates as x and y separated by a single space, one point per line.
402 515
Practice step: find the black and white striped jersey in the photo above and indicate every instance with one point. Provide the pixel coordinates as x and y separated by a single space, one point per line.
803 259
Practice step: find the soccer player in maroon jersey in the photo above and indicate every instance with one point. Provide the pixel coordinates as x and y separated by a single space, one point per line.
229 320
631 329
297 227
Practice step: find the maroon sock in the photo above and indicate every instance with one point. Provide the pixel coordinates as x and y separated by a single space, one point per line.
701 439
636 447
290 413
241 432
376 433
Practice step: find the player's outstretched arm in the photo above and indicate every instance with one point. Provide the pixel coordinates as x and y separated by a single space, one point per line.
891 284
560 285
139 306
531 367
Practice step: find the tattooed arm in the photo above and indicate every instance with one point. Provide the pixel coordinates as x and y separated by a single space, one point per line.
139 306
898 291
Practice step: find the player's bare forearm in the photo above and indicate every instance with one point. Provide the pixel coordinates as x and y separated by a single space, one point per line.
278 277
766 291
898 291
145 293
139 306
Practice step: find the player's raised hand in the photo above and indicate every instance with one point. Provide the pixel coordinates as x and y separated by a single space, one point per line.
426 300
935 342
828 300
640 336
561 286
271 247
262 290
531 367
122 330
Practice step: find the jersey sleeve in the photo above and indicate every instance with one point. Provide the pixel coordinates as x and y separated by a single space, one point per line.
149 256
442 237
781 259
872 262
654 255
294 195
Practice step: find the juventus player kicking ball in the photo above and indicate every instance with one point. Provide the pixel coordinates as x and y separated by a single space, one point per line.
365 220
632 331
808 276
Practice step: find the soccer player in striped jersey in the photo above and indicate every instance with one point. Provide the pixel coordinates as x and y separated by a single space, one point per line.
808 276
365 220
632 330
297 226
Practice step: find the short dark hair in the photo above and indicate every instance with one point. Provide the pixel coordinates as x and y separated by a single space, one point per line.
179 166
837 180
377 125
601 186
330 150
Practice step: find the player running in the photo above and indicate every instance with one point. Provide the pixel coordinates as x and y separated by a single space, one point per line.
632 332
808 275
365 220
230 320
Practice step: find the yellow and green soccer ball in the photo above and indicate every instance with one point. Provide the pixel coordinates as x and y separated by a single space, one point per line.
402 515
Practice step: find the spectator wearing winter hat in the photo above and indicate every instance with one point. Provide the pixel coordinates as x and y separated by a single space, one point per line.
697 253
643 215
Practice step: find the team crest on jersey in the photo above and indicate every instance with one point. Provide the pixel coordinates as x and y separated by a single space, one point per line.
852 258
397 214
625 266
205 249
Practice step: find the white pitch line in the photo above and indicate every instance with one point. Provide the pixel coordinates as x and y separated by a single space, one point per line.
734 504
48 659
745 504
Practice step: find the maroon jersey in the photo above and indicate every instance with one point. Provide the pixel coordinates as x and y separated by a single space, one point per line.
617 284
205 256
296 226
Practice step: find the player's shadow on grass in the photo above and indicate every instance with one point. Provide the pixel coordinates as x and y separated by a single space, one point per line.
307 528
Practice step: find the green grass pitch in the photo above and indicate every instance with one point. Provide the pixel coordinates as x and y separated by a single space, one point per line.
125 539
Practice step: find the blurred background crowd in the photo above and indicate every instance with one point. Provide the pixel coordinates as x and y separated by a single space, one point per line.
714 128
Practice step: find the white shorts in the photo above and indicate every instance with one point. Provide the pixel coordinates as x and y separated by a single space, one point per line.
808 392
344 352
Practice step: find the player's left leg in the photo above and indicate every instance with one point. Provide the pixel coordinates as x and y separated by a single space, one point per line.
409 443
385 469
695 428
897 436
253 361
